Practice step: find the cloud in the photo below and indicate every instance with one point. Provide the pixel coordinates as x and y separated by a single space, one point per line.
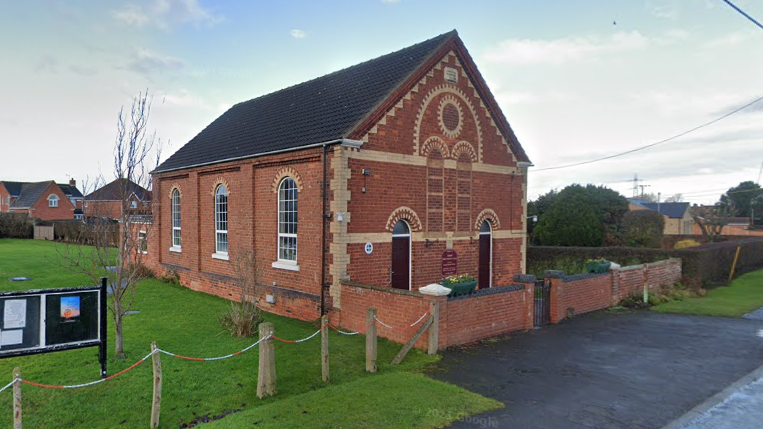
390 1
731 40
165 13
666 9
145 61
298 34
82 70
46 63
564 50
184 99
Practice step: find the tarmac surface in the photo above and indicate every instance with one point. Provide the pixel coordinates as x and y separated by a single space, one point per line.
625 370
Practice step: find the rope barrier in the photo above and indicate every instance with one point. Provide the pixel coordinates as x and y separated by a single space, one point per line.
405 327
9 384
92 383
214 358
303 339
353 333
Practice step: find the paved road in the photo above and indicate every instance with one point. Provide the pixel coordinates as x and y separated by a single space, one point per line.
603 370
738 407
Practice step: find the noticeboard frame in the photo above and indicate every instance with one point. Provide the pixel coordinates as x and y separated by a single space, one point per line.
100 342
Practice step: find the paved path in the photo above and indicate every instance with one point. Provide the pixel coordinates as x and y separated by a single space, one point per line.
632 370
740 406
755 315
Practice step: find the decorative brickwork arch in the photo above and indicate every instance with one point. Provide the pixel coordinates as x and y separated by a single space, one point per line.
287 172
174 186
490 216
464 147
220 180
456 94
435 142
450 116
406 214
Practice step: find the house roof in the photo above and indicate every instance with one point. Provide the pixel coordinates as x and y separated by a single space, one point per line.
13 188
322 110
29 193
114 191
671 210
69 190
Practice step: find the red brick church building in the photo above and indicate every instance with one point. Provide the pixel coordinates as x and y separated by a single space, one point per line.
362 178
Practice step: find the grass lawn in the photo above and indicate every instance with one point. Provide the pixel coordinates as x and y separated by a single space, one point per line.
40 260
185 322
741 296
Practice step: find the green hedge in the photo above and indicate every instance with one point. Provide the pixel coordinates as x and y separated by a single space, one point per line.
706 265
15 225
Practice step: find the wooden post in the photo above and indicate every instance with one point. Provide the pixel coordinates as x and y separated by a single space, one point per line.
16 398
734 265
266 376
325 349
407 347
157 401
371 340
434 330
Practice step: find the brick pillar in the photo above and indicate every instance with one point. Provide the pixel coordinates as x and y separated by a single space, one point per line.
615 273
437 293
528 280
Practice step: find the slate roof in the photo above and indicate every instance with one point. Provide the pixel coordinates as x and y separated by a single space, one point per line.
671 210
69 190
113 191
29 193
318 111
13 188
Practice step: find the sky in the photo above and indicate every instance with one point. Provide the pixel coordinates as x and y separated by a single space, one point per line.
577 80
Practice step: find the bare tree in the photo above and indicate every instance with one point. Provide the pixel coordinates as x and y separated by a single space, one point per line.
117 235
711 220
675 198
242 318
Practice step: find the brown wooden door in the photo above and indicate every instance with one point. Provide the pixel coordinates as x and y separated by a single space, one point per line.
485 261
401 262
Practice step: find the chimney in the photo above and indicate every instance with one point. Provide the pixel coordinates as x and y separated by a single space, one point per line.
72 183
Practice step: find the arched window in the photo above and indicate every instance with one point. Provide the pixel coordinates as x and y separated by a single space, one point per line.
400 270
486 255
53 200
175 219
221 220
287 220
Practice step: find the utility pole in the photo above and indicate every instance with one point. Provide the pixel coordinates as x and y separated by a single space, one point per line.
642 189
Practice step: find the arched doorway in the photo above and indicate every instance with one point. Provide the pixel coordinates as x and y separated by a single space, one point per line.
400 271
486 256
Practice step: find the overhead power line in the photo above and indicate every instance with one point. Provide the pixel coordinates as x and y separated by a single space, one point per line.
736 8
706 124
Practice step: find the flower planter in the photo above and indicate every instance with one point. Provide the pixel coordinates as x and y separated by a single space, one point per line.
464 288
597 267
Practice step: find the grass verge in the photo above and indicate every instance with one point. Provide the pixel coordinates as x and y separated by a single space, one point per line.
186 322
741 296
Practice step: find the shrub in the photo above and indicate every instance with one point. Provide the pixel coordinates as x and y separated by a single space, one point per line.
241 319
16 225
643 228
684 244
170 277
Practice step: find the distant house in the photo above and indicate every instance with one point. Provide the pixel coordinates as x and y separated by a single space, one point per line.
46 200
112 199
731 225
678 219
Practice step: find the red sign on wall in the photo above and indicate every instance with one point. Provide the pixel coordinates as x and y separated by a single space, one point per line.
449 263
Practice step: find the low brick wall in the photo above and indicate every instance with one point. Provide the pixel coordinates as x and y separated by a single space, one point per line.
486 314
395 307
583 293
629 281
578 294
463 320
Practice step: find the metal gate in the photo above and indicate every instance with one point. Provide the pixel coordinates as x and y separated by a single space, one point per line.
542 303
